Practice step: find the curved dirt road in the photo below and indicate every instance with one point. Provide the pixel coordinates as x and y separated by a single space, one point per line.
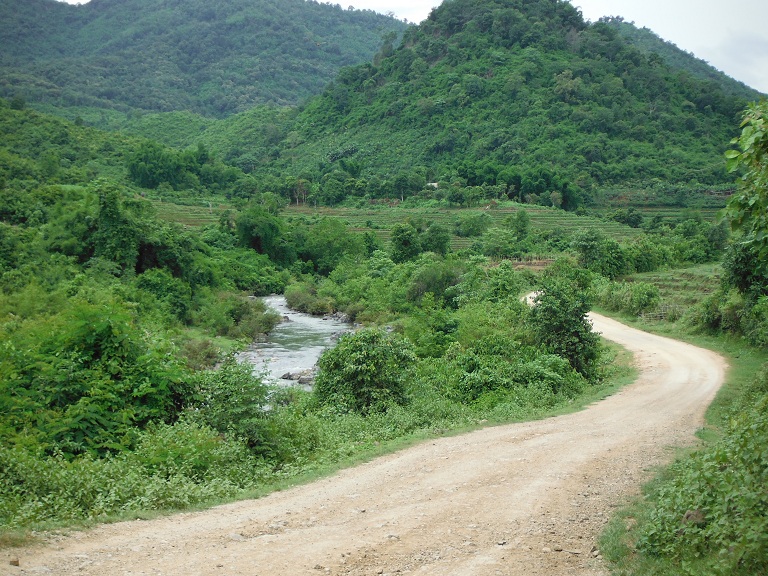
520 499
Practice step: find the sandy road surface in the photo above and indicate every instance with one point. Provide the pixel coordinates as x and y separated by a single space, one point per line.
521 499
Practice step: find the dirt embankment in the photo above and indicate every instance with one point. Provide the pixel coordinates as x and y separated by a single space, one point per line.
522 499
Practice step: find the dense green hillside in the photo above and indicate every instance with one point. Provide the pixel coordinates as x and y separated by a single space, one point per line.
214 58
520 94
524 97
649 42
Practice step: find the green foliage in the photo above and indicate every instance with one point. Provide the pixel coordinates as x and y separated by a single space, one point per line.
303 297
86 378
433 275
150 166
116 237
599 254
472 224
558 319
173 467
173 292
498 370
502 107
430 328
236 316
365 372
325 243
269 52
233 400
436 238
747 210
405 242
519 224
630 297
263 232
497 284
714 507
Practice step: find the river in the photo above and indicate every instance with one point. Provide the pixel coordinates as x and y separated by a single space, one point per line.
294 345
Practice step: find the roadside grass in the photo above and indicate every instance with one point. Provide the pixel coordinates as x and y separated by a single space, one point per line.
619 538
680 290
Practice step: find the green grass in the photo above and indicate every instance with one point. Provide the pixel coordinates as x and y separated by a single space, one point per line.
618 539
193 215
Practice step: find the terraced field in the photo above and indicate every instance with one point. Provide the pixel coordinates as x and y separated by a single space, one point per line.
188 215
682 288
380 219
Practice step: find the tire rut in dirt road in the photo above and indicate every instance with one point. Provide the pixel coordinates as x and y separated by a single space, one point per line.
527 498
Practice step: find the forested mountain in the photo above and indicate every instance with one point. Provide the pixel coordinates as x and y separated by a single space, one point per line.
523 94
649 42
213 58
519 94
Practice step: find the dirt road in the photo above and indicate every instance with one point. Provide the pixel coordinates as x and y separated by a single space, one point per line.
522 499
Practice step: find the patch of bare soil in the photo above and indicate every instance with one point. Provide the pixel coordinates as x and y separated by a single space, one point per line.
526 498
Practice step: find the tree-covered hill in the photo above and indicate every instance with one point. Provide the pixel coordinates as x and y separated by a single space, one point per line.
214 58
523 94
647 41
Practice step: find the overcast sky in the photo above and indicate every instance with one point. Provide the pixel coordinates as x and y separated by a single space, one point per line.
732 35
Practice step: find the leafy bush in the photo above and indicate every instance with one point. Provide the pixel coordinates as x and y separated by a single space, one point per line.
716 505
302 296
499 370
201 354
630 297
172 292
755 322
558 318
472 224
86 379
237 316
365 372
233 400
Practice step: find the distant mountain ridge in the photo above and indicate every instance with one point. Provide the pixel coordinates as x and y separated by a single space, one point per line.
519 93
212 58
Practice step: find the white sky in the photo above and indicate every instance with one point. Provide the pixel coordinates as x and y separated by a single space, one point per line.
732 35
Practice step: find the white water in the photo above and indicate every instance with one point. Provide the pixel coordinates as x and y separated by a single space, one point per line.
293 345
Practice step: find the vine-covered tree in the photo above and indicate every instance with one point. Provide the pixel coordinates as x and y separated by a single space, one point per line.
747 210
